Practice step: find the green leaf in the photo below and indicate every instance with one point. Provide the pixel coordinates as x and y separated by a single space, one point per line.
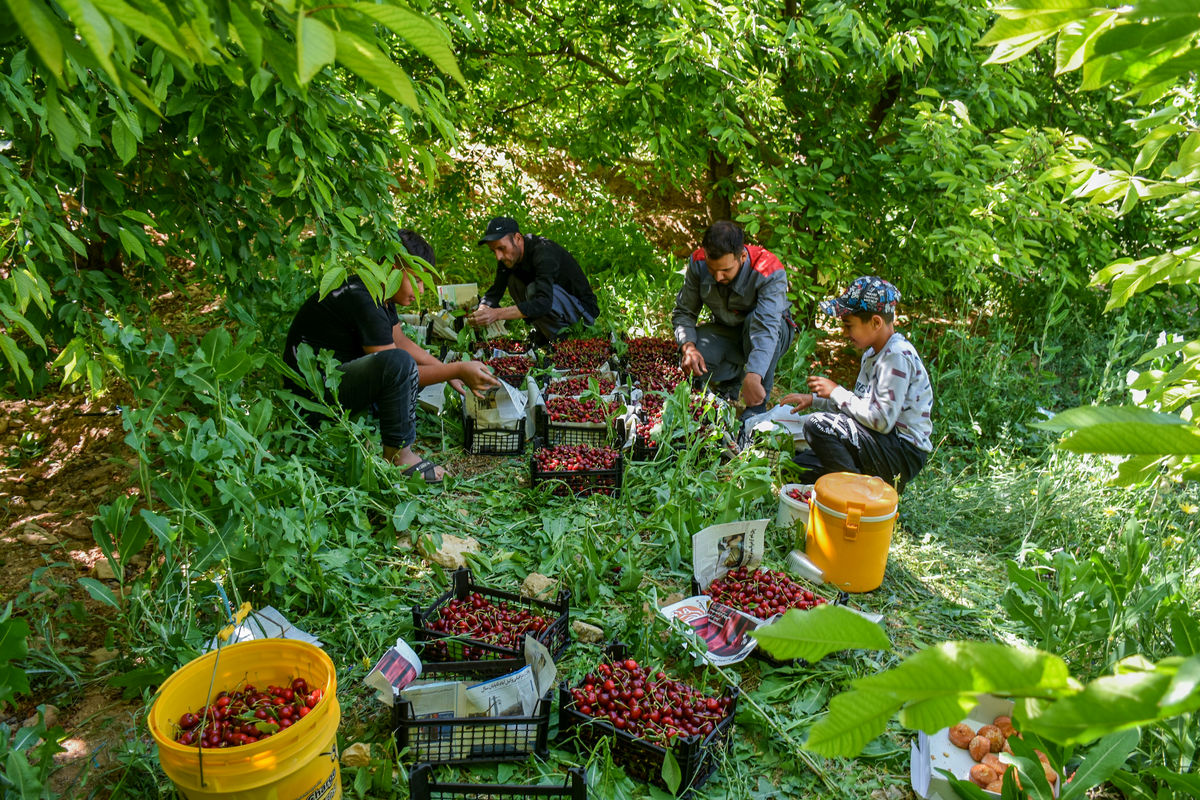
1113 703
95 31
100 592
246 32
422 33
817 632
332 279
124 142
671 774
364 60
854 719
315 47
66 136
43 31
1124 430
1100 762
131 243
17 360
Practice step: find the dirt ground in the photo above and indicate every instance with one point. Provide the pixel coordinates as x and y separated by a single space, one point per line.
63 458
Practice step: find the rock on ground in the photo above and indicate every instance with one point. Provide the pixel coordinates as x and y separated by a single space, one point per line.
539 586
586 633
450 554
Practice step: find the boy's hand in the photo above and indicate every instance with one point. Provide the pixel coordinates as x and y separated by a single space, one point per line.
692 362
478 376
799 401
753 393
821 386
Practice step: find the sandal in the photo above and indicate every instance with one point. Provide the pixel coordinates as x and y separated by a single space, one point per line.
428 471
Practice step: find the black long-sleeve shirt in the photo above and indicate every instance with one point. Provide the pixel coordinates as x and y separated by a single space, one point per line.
544 264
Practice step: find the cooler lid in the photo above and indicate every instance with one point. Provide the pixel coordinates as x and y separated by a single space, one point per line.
839 490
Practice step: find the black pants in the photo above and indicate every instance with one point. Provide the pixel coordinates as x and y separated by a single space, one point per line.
841 444
565 309
387 383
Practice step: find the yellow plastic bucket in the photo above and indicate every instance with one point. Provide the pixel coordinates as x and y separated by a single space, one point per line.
850 529
299 763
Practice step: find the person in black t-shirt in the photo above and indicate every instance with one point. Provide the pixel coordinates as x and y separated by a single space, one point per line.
548 288
381 366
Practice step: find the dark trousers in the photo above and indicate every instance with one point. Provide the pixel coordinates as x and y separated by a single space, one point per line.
387 382
725 347
565 309
842 444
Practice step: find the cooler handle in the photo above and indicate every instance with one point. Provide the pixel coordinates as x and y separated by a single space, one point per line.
850 528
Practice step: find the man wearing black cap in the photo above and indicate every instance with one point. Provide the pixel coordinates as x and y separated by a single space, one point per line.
548 288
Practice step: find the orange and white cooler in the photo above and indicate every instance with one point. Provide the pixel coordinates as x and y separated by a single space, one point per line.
850 529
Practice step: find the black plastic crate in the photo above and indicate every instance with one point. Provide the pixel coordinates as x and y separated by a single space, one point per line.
639 450
697 756
552 433
579 482
472 740
422 787
487 659
482 441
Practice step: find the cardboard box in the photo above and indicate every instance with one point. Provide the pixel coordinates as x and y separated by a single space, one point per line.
931 753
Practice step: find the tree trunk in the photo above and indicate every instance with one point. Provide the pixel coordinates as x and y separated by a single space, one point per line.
719 199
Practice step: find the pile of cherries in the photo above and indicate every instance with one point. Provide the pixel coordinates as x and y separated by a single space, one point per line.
581 459
580 355
804 496
477 618
574 409
510 368
651 347
648 705
654 363
574 458
762 593
575 386
248 715
656 376
506 345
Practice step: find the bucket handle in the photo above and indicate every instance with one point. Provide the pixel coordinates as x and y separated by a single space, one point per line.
850 528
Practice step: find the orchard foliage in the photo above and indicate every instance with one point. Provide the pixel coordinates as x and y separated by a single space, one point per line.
251 138
1151 51
845 136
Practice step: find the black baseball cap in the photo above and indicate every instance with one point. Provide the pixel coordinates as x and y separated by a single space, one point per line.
498 228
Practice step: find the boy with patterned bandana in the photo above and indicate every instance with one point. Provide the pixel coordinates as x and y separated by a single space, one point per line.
883 427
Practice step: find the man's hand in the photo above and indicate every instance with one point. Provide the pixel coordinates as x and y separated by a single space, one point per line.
483 316
821 386
692 362
478 376
458 386
798 401
753 393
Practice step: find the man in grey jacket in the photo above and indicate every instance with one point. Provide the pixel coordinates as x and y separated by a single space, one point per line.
744 287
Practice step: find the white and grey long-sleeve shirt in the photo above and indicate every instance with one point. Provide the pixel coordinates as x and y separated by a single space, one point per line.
893 390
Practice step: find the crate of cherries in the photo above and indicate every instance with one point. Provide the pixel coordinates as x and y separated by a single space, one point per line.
762 593
574 420
580 355
483 630
645 713
505 344
577 469
247 715
511 369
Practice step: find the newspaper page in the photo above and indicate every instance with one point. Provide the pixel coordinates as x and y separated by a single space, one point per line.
398 667
459 296
723 629
436 700
545 673
502 408
720 548
266 623
511 695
